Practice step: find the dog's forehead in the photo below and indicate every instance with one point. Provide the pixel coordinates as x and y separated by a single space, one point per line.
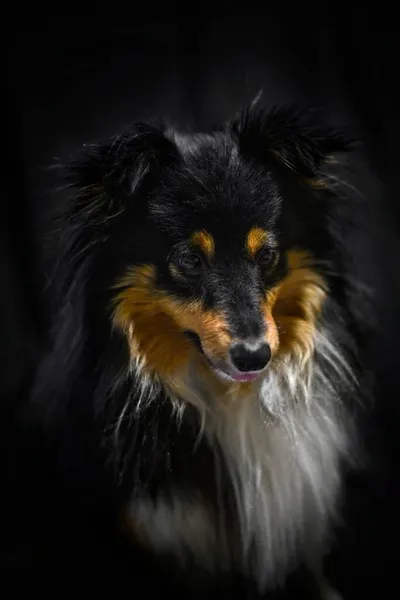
219 193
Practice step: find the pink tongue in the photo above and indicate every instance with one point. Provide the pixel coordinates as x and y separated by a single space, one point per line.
245 377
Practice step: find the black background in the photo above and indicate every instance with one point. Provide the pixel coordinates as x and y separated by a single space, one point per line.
71 80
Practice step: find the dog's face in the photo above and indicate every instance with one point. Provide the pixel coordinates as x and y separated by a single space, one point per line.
216 273
214 261
212 241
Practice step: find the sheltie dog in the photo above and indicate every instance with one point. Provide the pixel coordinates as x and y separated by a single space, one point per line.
206 345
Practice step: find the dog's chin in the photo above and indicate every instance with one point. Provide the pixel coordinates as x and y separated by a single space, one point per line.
224 371
226 374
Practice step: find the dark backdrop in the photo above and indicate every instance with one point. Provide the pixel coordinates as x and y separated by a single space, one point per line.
70 81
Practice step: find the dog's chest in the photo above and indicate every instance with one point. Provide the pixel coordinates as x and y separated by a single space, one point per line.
283 478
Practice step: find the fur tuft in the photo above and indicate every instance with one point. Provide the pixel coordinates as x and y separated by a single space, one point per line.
297 139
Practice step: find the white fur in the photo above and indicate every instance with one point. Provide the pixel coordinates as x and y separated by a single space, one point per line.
282 447
179 526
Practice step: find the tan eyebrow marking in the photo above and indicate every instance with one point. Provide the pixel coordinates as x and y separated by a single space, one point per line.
256 238
205 242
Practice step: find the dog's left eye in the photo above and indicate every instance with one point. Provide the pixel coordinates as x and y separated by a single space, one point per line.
267 258
190 264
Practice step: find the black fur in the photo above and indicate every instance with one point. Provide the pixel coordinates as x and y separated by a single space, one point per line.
132 202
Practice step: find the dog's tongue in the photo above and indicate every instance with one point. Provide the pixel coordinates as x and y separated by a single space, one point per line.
245 376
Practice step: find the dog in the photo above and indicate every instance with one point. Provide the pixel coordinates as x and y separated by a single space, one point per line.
207 339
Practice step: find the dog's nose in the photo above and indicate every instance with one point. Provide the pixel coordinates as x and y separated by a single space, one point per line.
246 358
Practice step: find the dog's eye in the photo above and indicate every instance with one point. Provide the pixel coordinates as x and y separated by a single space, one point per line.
267 258
190 264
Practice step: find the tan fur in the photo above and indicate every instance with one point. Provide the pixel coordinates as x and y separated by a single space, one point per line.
154 321
204 241
316 183
296 306
256 238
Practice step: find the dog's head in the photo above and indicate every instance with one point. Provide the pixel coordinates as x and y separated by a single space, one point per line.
213 243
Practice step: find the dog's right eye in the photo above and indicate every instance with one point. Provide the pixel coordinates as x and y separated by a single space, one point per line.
188 264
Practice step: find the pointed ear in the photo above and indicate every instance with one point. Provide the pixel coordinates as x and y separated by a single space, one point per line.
297 140
119 169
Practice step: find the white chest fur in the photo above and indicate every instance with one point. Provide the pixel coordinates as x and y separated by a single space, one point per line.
282 446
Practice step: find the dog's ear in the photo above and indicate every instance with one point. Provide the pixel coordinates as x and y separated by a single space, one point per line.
117 170
298 140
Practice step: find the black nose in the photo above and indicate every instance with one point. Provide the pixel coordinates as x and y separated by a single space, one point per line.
245 359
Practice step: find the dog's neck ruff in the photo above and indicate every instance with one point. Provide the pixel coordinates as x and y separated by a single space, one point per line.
281 445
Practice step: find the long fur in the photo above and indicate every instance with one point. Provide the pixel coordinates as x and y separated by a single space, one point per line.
280 451
283 449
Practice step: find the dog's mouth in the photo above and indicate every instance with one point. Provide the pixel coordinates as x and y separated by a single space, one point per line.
222 368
